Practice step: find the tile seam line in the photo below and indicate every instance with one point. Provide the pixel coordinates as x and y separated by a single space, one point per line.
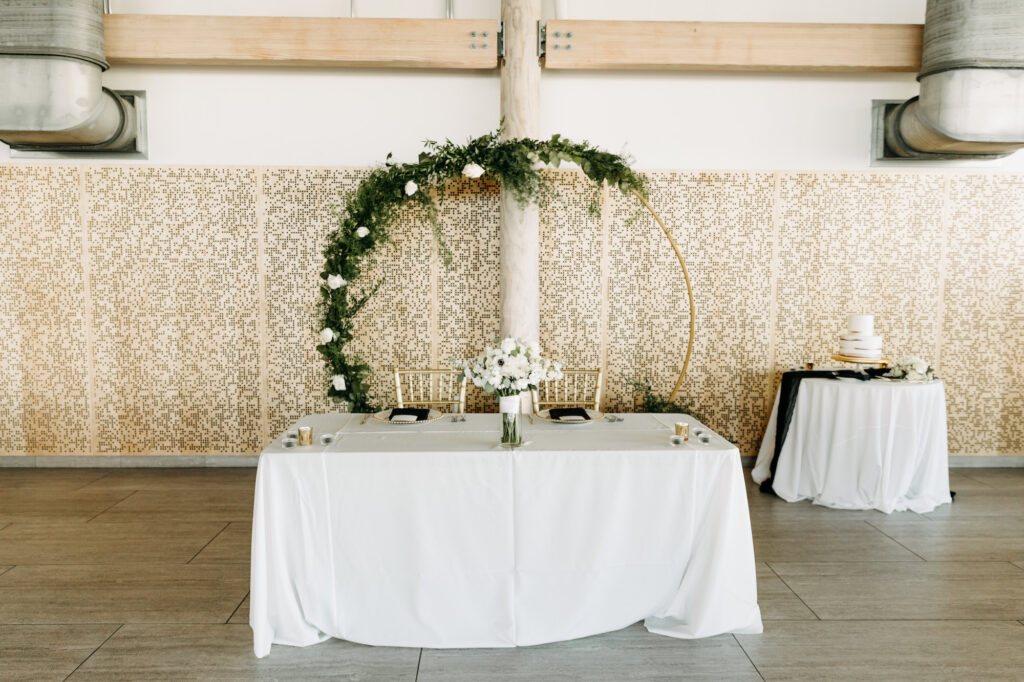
216 535
116 630
242 601
896 541
740 645
788 587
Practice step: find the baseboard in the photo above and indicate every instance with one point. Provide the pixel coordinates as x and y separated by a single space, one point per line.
126 461
985 461
198 461
955 461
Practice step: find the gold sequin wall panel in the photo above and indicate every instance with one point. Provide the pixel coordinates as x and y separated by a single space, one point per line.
174 314
173 310
44 367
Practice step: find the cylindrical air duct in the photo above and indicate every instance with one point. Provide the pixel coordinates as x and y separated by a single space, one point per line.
972 84
51 95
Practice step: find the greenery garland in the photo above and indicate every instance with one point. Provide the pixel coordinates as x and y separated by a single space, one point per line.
374 208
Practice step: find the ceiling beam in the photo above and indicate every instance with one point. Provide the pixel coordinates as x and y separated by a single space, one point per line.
732 46
301 41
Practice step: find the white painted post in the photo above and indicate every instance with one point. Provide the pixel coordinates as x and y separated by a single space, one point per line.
520 224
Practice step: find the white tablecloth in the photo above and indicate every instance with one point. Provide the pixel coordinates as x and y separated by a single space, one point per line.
431 536
862 445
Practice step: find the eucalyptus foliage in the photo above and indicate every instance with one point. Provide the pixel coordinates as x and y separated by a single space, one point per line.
376 205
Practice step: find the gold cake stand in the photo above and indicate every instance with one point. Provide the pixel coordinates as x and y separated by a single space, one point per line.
882 362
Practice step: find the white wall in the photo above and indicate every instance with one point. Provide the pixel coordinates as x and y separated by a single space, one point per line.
341 117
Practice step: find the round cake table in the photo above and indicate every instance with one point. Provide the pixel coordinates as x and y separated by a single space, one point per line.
855 444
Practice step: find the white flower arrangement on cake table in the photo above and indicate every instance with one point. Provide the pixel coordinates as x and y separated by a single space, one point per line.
506 370
911 368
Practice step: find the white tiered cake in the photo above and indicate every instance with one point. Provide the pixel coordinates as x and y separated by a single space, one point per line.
859 341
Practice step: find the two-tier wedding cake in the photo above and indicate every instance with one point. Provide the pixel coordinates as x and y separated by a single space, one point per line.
859 341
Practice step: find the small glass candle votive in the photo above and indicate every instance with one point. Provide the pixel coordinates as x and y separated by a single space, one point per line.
305 435
683 430
809 366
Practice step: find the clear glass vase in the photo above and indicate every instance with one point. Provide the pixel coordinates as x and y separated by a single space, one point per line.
511 435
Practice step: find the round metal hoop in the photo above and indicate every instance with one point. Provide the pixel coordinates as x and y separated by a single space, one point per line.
689 292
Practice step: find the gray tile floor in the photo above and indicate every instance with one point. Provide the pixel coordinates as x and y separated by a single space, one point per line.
143 574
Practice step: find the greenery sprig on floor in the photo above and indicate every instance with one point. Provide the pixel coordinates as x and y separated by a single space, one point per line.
372 211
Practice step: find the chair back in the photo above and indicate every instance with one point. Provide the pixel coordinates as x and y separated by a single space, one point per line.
576 388
438 389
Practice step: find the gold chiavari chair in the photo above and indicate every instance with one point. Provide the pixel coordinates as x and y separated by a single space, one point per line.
439 389
576 388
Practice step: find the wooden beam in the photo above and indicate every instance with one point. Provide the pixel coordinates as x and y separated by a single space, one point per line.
301 41
732 46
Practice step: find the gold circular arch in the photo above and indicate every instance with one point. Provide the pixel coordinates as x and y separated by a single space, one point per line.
689 292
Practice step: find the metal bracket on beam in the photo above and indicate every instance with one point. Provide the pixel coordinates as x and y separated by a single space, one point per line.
501 40
542 35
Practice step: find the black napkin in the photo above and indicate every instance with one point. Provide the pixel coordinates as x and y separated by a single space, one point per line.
421 413
559 412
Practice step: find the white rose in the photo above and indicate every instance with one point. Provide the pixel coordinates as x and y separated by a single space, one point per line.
338 381
920 366
362 231
326 334
336 281
508 345
410 188
472 170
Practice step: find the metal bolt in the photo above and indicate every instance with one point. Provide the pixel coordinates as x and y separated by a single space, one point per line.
568 47
485 34
472 34
484 46
473 46
569 34
557 46
558 34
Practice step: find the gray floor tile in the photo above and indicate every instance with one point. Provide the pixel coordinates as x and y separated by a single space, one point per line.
630 654
232 545
227 503
776 600
202 652
997 478
80 542
969 538
139 593
48 479
888 650
25 503
908 591
992 501
176 479
824 540
47 652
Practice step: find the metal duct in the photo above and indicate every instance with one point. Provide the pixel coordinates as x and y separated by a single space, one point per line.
51 96
972 84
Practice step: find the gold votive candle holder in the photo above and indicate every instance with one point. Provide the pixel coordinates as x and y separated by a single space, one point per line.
683 430
305 435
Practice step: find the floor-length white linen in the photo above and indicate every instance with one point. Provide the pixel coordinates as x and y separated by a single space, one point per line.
430 536
862 445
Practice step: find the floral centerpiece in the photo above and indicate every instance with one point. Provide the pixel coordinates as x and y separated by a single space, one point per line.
911 368
507 369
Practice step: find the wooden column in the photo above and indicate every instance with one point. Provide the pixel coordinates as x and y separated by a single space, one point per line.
520 228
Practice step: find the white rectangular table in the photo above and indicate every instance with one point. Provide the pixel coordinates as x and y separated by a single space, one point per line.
857 444
431 535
